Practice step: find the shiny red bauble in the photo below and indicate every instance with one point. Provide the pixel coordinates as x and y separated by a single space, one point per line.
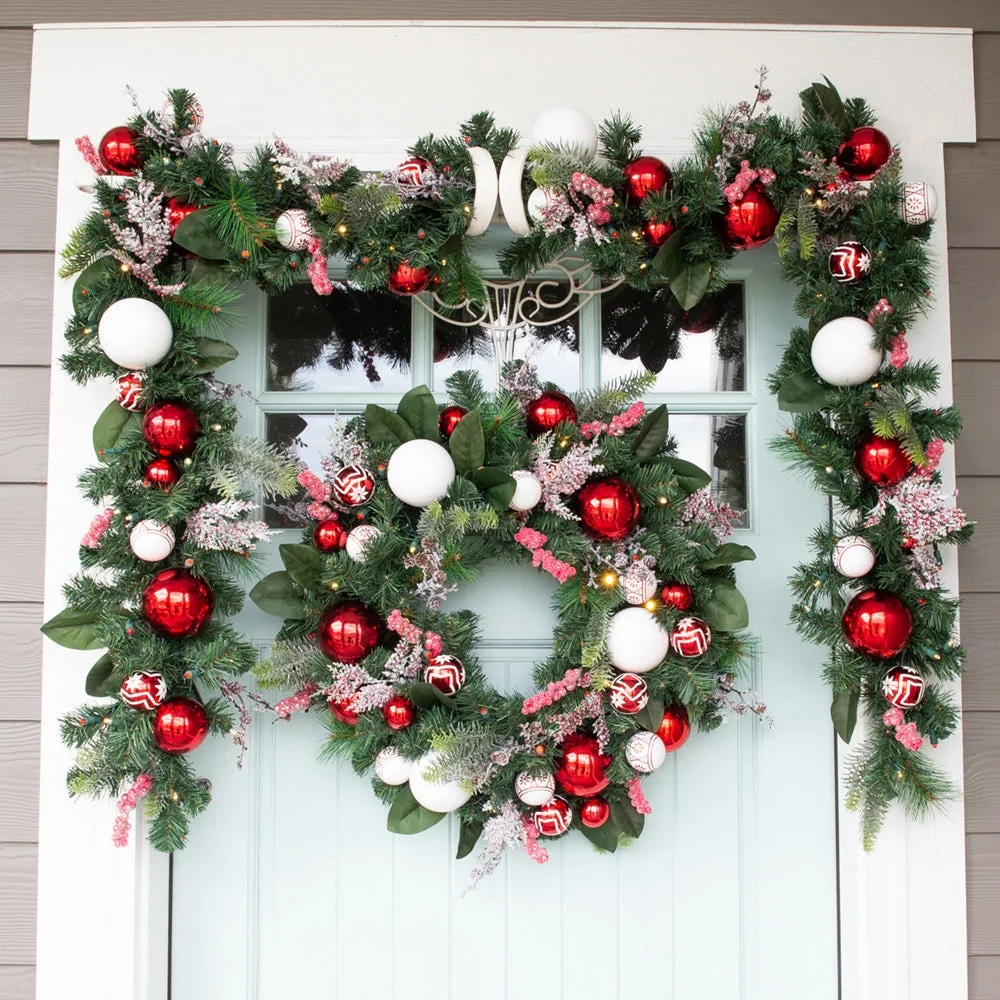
177 604
343 709
180 725
177 212
705 316
678 595
411 172
449 419
675 727
329 535
117 151
549 411
644 176
657 233
399 712
751 221
864 152
162 473
882 461
609 509
595 812
171 429
877 623
407 280
553 818
580 767
130 395
349 631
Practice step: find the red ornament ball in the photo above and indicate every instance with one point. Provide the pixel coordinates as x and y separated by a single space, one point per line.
690 637
180 725
162 473
553 818
609 509
580 766
446 673
143 691
448 421
130 395
629 694
349 631
411 171
678 595
353 485
908 543
171 429
343 709
903 687
705 316
644 176
177 604
399 712
177 212
675 727
329 535
751 221
864 152
877 623
595 812
407 280
117 151
549 411
882 461
657 233
850 263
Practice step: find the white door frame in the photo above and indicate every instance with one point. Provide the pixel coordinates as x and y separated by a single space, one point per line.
903 914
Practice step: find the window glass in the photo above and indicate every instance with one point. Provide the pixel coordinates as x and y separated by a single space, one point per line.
716 443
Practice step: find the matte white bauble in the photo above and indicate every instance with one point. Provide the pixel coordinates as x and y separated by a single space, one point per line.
438 796
151 540
538 201
636 643
420 472
844 352
645 752
358 540
918 202
527 491
135 333
292 229
391 767
534 789
569 128
853 557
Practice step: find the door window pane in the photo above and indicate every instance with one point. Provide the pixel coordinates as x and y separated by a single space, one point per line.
717 443
702 350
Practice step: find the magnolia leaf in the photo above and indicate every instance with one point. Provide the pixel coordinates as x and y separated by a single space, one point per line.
196 235
99 683
204 272
832 105
669 261
650 715
408 816
74 629
304 564
652 433
420 412
605 836
496 486
800 394
213 354
276 595
844 713
691 283
467 443
627 819
688 475
101 268
386 427
726 610
468 837
427 696
728 554
111 426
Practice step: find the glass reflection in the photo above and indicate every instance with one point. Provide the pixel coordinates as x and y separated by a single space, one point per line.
304 436
717 443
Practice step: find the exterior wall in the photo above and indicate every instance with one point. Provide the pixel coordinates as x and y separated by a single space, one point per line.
27 209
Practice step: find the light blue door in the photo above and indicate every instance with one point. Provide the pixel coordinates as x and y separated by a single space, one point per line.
291 886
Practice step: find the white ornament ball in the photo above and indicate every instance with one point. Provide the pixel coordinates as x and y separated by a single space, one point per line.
420 472
636 643
358 540
918 203
569 128
645 752
527 491
853 557
135 333
438 796
292 229
391 767
538 201
534 789
639 585
844 352
151 540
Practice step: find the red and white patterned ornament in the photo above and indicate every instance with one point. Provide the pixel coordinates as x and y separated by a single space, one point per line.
553 818
143 691
292 229
903 687
853 557
151 540
353 485
534 788
918 203
639 584
359 539
691 637
645 752
130 394
850 263
446 673
411 171
629 693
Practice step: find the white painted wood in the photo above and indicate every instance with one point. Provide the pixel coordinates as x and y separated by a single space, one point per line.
891 948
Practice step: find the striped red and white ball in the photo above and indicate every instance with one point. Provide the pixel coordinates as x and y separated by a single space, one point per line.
629 693
358 541
645 752
853 557
391 767
353 485
674 728
534 788
130 395
903 687
639 584
850 263
292 229
143 690
446 673
151 540
553 818
414 171
677 595
690 637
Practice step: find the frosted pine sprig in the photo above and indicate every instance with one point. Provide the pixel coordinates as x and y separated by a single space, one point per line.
221 527
311 172
702 508
562 477
924 511
499 832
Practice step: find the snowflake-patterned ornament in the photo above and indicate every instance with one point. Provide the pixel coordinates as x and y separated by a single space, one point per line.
903 687
353 485
292 229
645 752
850 263
534 788
691 637
143 691
629 693
639 584
446 673
553 818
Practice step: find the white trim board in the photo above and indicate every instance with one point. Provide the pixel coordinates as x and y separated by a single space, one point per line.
903 920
